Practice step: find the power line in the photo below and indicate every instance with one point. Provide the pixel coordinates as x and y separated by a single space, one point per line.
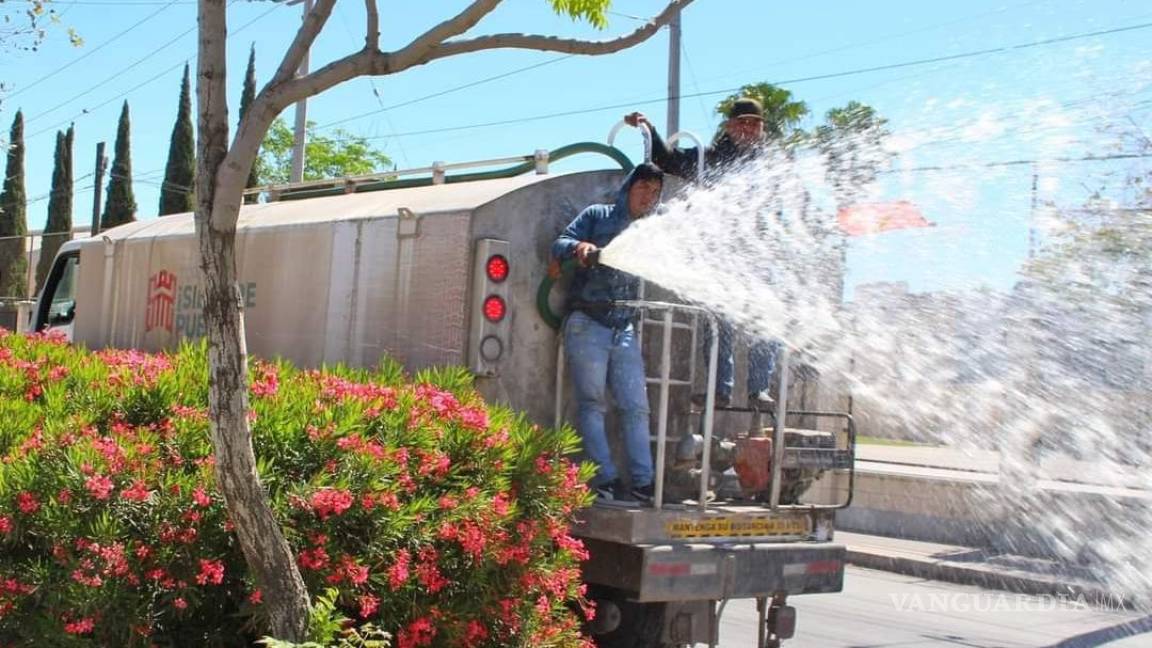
103 83
136 87
375 91
43 197
817 77
449 90
119 3
1008 163
893 36
94 49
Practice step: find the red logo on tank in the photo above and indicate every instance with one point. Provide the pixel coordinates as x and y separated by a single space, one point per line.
161 301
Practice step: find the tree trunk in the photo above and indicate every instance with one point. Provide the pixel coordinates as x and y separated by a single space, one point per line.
267 552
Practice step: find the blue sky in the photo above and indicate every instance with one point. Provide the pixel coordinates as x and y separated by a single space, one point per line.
1025 103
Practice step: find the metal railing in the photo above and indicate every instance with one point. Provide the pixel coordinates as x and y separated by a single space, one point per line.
435 174
665 383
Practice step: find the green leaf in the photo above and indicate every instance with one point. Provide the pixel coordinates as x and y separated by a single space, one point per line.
594 12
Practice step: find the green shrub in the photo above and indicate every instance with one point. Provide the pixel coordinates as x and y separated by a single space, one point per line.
434 517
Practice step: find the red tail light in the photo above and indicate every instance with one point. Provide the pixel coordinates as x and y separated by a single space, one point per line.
495 308
497 268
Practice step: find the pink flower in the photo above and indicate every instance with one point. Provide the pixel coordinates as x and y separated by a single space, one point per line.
315 558
211 572
388 501
80 626
472 540
5 524
543 465
267 383
356 573
499 438
179 603
99 486
430 577
398 572
500 504
91 580
475 632
256 597
442 402
420 632
368 605
27 503
137 492
201 498
474 418
331 501
435 463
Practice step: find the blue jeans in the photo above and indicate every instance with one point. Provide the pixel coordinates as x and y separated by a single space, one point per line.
601 358
761 362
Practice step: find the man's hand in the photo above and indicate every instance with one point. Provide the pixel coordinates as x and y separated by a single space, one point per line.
635 119
583 249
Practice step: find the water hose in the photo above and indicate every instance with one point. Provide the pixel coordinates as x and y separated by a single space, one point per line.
527 166
543 305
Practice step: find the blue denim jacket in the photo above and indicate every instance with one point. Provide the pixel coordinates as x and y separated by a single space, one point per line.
599 224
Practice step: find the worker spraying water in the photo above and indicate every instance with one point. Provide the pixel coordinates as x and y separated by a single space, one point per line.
600 337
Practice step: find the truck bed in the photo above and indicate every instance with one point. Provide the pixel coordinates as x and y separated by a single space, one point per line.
728 551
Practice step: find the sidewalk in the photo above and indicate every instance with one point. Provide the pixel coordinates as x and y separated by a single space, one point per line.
968 566
983 464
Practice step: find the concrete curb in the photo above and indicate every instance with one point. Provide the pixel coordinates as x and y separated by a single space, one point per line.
988 577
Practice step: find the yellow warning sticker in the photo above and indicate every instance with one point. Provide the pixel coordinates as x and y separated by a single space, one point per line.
739 527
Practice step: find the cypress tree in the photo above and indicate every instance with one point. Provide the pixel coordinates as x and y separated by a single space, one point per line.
120 207
247 96
58 229
176 192
13 223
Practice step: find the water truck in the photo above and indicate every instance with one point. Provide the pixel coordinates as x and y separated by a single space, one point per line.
447 265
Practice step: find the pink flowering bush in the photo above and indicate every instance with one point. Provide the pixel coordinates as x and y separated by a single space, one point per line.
430 515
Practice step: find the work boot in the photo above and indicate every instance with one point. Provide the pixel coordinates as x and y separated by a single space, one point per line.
644 494
761 401
607 491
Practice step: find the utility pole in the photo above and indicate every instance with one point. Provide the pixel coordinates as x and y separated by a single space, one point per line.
674 75
101 162
301 135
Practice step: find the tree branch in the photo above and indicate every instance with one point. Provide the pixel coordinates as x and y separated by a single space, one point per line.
313 23
553 44
271 101
372 37
416 52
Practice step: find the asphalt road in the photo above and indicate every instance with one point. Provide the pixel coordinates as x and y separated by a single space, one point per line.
881 609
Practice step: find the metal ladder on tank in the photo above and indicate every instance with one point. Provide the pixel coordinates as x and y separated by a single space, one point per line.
664 382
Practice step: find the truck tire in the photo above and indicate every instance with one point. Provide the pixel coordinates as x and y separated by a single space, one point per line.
641 625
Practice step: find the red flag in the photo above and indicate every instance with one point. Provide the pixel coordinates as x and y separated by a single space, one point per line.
873 218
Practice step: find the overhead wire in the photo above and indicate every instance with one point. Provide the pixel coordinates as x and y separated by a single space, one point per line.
136 87
441 93
376 94
816 77
90 52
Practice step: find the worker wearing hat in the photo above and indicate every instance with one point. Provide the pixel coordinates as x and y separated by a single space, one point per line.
741 139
